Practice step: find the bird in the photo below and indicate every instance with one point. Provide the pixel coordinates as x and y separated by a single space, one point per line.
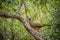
36 26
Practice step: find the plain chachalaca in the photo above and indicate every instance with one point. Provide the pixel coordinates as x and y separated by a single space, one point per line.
37 26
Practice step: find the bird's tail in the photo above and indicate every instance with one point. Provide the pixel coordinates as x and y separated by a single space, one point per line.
47 24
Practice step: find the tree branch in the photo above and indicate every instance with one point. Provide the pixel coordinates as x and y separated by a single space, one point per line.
26 25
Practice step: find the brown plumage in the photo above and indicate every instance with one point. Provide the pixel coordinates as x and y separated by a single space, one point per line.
37 26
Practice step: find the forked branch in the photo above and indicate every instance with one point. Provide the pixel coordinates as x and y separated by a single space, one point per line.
26 25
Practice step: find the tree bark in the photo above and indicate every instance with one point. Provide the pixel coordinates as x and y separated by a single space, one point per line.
26 25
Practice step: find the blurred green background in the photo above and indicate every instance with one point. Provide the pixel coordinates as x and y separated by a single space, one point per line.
41 11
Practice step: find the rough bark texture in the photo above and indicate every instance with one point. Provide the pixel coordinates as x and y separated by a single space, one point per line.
26 25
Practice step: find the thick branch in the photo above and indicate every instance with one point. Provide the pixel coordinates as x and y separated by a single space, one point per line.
26 25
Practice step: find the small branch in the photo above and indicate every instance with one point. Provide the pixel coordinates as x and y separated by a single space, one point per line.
26 25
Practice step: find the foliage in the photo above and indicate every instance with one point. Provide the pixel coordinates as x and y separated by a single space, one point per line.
41 11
